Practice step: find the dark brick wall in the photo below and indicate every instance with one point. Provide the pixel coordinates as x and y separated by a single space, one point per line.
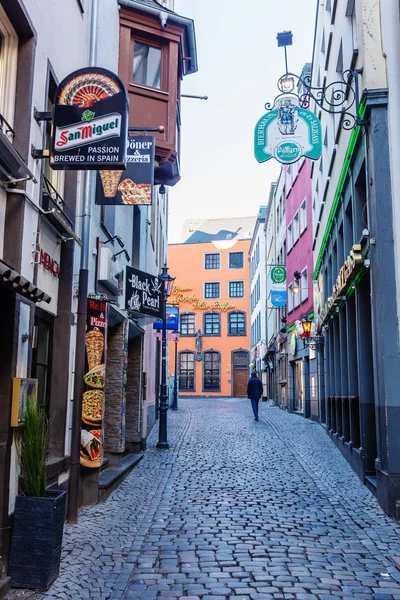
114 440
134 401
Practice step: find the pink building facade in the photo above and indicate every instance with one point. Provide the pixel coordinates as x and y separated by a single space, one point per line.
302 363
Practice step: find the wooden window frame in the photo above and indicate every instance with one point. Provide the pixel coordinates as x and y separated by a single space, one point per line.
214 314
187 314
149 40
204 388
186 352
236 312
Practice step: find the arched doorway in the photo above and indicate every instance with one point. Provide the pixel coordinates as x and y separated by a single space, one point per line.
240 373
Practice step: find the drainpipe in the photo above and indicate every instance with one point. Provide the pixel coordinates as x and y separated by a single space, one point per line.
73 497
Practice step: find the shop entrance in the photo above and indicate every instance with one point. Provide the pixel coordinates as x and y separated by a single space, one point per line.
298 386
240 371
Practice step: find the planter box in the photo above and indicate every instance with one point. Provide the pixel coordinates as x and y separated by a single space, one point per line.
36 540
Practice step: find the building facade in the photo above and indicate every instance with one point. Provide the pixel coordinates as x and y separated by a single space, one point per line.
212 291
302 366
355 244
52 232
258 300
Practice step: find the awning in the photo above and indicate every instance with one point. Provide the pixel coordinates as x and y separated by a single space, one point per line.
18 284
116 316
12 165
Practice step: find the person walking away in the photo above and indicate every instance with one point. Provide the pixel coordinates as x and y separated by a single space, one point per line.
254 392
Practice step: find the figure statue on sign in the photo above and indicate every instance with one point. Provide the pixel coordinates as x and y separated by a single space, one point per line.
199 344
287 116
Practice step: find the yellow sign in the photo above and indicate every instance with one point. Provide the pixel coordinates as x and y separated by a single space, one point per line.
197 304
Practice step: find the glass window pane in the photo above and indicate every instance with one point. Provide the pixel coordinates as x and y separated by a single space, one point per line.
236 260
186 371
147 65
212 261
43 343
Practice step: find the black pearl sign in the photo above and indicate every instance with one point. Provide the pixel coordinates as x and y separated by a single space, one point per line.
90 120
143 293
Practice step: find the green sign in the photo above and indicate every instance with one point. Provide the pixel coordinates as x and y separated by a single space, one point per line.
278 274
287 133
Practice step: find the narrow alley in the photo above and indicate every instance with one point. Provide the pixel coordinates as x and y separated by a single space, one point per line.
235 509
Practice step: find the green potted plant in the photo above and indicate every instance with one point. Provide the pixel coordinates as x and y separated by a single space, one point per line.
39 512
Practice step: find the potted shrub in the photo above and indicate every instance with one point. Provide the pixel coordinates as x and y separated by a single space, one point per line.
39 512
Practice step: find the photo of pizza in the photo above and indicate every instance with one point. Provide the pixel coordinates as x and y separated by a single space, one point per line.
95 377
135 193
87 88
92 407
94 347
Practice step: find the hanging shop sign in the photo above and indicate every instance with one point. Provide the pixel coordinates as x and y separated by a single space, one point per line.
91 453
179 297
277 285
90 120
288 132
143 293
135 184
346 276
172 319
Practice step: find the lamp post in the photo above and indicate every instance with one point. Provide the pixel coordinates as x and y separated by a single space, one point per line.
174 404
167 282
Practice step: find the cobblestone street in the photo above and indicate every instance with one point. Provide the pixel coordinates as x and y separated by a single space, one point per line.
235 509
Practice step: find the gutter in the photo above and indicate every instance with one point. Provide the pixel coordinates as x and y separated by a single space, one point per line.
174 18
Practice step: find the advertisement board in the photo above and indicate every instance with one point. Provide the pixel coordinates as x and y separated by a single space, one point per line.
288 132
93 397
172 313
90 121
277 286
135 184
143 293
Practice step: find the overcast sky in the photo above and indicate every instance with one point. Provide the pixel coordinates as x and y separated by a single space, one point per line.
239 64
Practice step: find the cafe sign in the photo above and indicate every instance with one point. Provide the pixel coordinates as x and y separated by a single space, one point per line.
90 121
277 285
347 273
143 293
288 132
180 296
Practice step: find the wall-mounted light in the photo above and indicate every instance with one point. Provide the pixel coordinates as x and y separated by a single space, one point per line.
286 84
162 189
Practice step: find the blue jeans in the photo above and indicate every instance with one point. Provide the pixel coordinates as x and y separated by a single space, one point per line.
254 406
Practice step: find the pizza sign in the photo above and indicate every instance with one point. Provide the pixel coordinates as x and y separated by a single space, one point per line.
91 451
90 120
135 184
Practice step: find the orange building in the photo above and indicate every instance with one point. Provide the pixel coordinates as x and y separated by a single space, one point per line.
212 291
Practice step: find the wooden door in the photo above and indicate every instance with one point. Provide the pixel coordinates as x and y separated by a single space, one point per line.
240 370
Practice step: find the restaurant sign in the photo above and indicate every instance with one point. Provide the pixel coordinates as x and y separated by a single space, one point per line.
90 120
277 286
347 273
143 293
179 296
93 397
172 323
135 184
288 132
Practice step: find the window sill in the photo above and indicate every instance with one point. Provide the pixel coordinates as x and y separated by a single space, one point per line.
148 88
236 334
211 335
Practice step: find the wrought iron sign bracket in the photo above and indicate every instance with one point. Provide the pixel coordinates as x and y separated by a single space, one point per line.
340 97
39 154
40 116
314 342
159 129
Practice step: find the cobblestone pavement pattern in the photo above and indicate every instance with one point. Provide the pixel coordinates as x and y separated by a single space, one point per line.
236 509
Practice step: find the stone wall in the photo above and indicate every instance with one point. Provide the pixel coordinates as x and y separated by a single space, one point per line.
134 400
114 439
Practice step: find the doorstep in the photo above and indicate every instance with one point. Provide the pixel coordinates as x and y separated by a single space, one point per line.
111 478
5 585
370 482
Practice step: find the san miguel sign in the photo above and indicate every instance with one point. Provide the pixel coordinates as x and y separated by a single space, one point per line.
90 121
288 132
143 293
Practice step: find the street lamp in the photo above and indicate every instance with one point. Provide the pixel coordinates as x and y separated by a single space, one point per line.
174 404
167 282
315 342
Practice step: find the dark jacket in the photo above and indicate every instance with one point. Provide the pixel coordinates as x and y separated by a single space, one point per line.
254 388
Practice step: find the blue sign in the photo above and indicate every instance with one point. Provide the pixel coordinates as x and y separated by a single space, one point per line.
172 319
278 298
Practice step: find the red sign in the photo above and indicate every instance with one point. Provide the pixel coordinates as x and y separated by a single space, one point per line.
49 264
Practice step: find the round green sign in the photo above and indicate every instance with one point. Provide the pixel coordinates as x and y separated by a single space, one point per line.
288 152
278 274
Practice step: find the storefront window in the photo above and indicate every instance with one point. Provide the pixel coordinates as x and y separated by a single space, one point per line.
211 379
147 65
41 359
186 371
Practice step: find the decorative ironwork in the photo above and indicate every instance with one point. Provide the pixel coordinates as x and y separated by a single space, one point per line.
340 97
315 342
